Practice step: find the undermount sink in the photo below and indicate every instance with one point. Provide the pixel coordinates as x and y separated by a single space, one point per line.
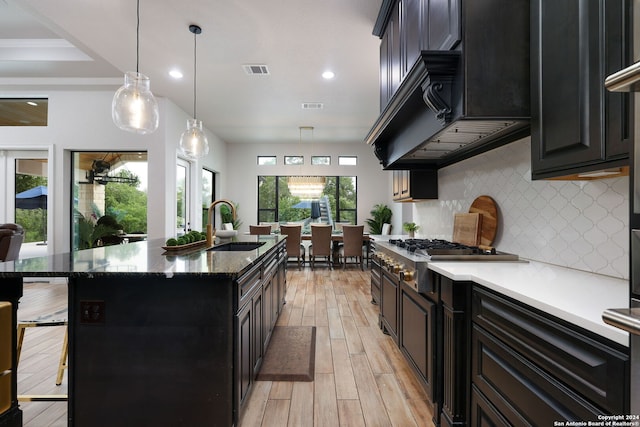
237 246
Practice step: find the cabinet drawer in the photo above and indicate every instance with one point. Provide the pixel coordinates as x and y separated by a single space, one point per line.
520 391
576 358
246 284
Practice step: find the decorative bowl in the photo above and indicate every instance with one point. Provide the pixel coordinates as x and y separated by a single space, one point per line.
226 234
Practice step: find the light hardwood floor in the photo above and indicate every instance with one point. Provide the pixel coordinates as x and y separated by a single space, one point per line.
361 378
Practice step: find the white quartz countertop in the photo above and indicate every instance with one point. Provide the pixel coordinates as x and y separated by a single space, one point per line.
572 295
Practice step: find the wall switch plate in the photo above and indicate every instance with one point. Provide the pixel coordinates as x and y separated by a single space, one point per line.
92 312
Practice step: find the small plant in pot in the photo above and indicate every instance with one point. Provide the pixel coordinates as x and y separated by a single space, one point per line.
411 228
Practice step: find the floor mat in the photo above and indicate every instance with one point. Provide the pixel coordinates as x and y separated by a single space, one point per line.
291 354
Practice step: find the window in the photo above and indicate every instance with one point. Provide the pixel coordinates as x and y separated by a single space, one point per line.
208 194
266 160
321 160
276 204
183 169
293 160
347 160
24 111
112 185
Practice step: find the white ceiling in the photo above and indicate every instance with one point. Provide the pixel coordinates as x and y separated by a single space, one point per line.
296 39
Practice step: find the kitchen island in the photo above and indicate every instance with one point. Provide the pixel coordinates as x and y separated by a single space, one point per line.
159 337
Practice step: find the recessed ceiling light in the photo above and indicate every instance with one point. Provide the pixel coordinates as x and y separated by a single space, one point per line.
176 74
35 104
328 75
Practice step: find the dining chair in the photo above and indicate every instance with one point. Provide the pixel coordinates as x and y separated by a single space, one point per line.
353 240
274 225
260 229
11 238
227 226
295 249
386 229
320 244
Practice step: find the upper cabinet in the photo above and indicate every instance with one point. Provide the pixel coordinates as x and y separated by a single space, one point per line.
577 126
415 185
413 26
454 80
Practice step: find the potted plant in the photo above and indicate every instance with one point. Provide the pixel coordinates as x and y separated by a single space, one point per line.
411 228
227 217
381 215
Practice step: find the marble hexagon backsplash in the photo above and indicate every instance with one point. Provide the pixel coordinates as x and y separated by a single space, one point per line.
577 224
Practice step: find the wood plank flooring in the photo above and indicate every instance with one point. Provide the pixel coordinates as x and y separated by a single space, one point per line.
361 377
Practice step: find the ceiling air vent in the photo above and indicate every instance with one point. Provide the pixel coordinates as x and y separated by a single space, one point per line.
312 105
256 69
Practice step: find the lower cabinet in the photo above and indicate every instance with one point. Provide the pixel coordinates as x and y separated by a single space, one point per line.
528 368
254 322
375 281
389 285
248 338
417 339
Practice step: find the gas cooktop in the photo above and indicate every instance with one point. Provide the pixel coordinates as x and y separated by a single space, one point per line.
437 249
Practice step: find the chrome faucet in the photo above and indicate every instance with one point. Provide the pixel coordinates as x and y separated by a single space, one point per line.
211 232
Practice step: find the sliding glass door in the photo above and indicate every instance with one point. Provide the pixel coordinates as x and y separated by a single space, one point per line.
24 198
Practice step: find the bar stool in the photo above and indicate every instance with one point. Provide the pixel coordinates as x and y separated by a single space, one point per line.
58 318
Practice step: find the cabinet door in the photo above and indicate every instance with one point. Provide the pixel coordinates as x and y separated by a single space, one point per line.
257 332
397 183
411 32
389 308
385 71
245 345
577 125
395 53
417 336
442 30
269 318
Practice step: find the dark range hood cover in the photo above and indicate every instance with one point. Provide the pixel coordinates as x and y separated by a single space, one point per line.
454 104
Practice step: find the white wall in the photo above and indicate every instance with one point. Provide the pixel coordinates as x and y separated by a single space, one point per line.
374 184
578 224
81 121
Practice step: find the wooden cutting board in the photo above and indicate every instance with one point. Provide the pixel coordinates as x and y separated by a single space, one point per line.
486 206
466 228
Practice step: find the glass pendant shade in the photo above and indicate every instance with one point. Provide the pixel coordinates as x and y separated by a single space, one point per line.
193 141
306 187
134 107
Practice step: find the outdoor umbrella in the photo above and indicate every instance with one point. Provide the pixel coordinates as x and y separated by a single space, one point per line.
305 204
34 198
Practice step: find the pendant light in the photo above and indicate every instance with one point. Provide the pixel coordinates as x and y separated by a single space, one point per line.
306 187
134 108
193 141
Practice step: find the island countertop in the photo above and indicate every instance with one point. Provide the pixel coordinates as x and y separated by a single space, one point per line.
142 258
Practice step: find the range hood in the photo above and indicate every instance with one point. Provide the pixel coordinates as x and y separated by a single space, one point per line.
625 80
454 104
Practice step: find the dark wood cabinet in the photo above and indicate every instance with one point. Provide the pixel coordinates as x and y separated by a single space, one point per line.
256 318
414 26
375 280
389 286
413 185
529 368
442 30
417 338
577 126
390 56
455 350
245 346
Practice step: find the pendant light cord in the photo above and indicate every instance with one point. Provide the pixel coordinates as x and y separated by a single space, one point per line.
195 52
138 37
